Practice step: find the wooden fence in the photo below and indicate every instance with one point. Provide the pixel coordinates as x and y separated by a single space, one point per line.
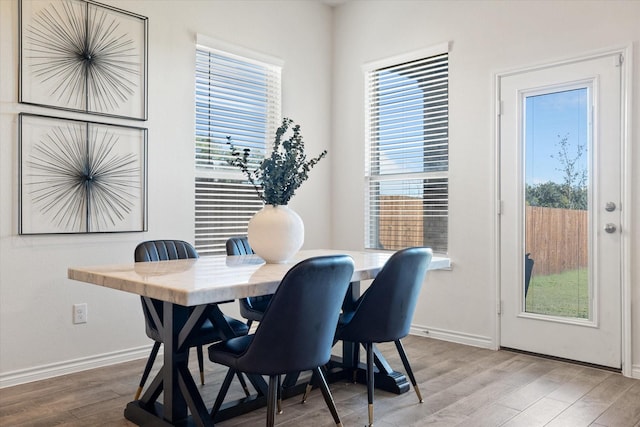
401 224
557 239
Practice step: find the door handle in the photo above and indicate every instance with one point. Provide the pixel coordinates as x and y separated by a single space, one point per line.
610 228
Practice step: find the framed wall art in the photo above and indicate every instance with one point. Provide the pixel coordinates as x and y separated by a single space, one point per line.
83 56
81 177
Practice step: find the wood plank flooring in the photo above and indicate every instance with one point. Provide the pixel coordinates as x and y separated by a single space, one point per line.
461 386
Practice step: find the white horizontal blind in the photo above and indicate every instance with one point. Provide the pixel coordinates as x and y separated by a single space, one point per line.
239 98
407 155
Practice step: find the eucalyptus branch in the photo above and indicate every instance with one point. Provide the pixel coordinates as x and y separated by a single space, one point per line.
241 161
278 176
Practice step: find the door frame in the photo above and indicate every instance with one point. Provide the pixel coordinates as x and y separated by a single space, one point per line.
625 168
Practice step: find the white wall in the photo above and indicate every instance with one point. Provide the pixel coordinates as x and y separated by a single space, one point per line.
486 37
37 337
323 91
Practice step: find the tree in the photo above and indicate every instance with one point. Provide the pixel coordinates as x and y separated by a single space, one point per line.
572 192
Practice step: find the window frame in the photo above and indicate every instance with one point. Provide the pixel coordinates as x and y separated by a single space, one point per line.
224 200
372 224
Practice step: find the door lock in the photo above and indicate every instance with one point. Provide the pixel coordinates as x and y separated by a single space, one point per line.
610 207
610 228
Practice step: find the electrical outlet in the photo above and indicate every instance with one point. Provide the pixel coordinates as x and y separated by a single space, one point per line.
80 313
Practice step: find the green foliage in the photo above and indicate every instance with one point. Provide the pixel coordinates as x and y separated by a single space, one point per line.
278 176
553 195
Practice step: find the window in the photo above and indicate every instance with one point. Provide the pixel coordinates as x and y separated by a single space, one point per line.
238 97
407 153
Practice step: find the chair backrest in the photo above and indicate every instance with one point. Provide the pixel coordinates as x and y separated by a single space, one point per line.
238 246
160 250
385 311
163 250
297 330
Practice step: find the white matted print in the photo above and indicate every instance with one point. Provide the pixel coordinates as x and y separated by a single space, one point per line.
81 177
83 56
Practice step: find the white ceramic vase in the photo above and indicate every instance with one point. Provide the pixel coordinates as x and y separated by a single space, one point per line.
276 233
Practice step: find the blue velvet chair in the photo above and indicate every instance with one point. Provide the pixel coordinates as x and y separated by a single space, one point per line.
162 250
251 308
384 312
296 332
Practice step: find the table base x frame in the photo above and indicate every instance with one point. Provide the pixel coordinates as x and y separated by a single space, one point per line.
180 393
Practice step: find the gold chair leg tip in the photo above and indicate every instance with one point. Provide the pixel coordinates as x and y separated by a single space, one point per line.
307 390
138 392
418 393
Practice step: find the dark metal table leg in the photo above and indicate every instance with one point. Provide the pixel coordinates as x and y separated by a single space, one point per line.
174 381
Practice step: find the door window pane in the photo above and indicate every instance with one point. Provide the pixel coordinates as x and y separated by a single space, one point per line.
557 149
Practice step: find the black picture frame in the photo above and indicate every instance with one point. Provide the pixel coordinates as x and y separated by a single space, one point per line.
79 177
80 55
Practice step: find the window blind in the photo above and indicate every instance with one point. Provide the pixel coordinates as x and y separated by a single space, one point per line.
407 155
236 97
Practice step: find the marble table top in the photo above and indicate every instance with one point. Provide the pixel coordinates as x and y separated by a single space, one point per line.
217 278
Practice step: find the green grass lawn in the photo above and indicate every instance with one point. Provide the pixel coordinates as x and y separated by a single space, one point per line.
564 294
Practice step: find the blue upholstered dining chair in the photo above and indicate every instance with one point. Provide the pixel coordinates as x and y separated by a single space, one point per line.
251 308
385 310
162 250
296 332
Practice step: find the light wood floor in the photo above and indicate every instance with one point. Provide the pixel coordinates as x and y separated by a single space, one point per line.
461 386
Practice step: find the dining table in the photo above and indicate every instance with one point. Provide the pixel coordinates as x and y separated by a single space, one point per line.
206 280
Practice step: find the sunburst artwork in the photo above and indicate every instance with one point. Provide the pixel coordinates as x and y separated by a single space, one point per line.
83 56
81 177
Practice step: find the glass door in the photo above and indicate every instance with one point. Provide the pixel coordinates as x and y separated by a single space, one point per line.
560 191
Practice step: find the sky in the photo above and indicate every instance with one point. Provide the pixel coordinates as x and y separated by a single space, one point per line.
549 118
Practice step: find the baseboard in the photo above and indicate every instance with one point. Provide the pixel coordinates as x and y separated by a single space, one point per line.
635 371
71 366
453 336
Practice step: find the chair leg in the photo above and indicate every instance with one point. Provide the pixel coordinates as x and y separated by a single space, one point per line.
272 396
224 388
279 399
355 362
307 390
243 383
370 383
147 369
407 368
200 363
326 393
